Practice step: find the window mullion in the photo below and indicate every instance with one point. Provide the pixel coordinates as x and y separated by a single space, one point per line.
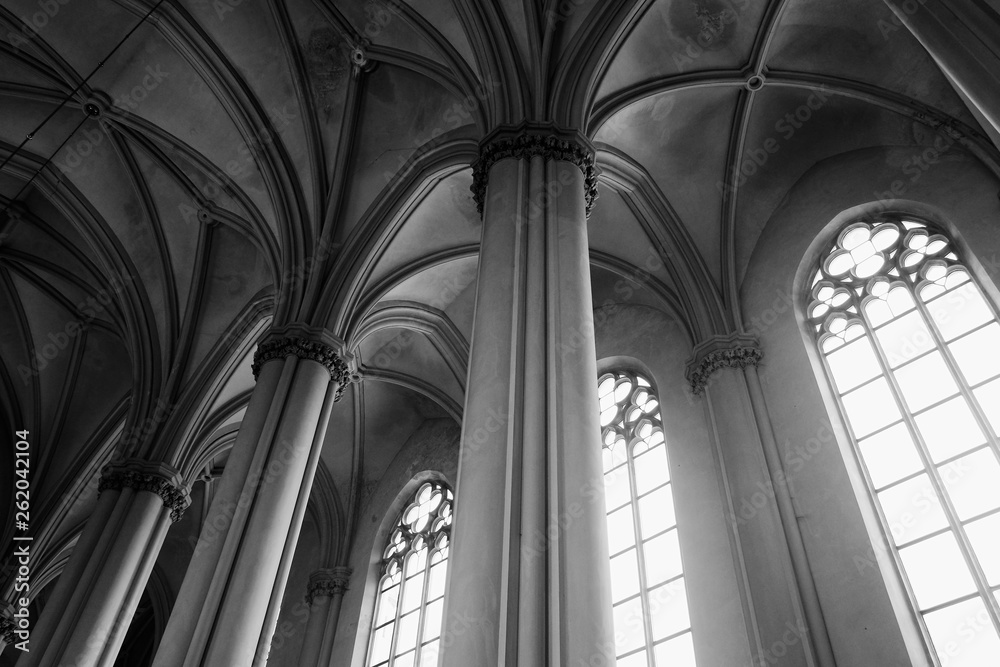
630 431
982 583
399 609
640 558
890 541
934 476
423 529
963 386
868 259
422 613
379 601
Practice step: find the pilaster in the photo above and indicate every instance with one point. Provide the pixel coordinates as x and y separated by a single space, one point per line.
325 595
778 577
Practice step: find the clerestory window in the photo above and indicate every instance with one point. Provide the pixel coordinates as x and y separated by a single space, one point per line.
912 348
652 624
410 602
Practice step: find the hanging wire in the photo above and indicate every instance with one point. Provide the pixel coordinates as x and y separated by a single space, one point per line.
31 135
44 164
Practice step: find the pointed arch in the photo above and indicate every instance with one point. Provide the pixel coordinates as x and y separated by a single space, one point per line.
409 602
906 337
649 596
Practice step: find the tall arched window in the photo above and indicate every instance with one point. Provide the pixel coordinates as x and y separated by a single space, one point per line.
912 347
652 625
410 602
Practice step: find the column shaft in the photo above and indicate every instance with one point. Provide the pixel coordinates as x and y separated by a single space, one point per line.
46 630
781 598
229 601
312 642
213 552
326 593
7 625
529 577
85 622
786 510
101 629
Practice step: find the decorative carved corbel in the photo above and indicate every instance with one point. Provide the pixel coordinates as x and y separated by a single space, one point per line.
718 352
328 583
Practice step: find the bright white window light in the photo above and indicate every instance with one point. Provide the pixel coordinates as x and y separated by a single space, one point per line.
652 625
410 603
912 347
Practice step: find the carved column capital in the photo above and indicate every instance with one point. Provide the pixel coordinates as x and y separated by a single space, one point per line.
312 344
159 478
529 140
7 624
732 351
328 583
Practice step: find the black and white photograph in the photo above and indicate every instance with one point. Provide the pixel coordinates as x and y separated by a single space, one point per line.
499 333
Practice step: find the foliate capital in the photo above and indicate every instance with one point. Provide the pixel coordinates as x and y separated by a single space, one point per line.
7 625
307 343
159 478
527 140
732 351
328 583
6 630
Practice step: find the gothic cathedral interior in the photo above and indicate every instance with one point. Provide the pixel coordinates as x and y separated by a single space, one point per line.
496 333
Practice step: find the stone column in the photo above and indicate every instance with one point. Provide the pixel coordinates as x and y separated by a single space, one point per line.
85 621
782 593
325 596
963 37
529 576
7 625
228 604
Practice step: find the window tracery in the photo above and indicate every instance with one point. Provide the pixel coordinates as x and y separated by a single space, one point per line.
409 606
652 623
910 343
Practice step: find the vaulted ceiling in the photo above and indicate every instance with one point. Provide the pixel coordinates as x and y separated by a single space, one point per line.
197 169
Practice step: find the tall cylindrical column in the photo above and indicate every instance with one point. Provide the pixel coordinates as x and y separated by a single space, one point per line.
529 576
85 621
325 595
229 601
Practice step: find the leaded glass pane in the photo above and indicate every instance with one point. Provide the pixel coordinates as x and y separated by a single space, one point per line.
910 341
652 625
409 606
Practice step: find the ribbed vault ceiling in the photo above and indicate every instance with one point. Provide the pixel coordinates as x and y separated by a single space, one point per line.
309 160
